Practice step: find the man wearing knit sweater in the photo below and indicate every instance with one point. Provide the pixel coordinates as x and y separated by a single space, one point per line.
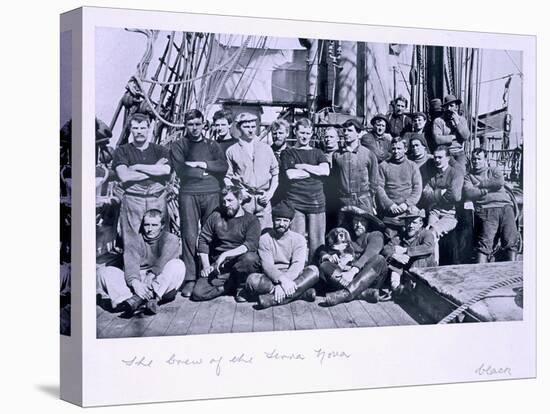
400 186
283 255
442 192
199 164
153 278
494 214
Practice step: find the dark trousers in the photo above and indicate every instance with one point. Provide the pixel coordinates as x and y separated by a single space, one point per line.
490 223
232 274
332 283
194 208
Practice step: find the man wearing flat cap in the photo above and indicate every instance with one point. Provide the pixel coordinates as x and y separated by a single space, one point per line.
355 170
451 129
414 247
351 265
378 140
419 120
398 121
253 167
283 253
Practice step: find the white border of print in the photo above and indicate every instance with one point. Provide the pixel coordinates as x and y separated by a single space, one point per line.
379 357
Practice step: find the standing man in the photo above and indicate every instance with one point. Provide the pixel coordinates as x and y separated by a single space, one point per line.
418 153
222 121
304 166
442 192
355 170
227 248
283 257
143 169
253 167
494 215
418 127
399 188
378 140
153 277
451 129
398 121
280 130
199 164
331 145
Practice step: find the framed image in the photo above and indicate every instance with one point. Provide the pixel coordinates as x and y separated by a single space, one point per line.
278 205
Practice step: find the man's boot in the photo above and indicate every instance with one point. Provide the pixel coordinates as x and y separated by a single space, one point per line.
304 283
481 258
364 279
132 304
510 255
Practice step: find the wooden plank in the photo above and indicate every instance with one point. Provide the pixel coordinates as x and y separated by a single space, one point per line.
303 319
244 318
185 315
322 317
103 320
203 319
116 327
223 320
283 320
359 315
341 316
397 313
263 320
163 320
138 325
377 313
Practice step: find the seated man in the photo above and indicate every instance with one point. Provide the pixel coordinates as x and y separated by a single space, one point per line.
227 247
353 268
283 255
494 214
414 247
155 276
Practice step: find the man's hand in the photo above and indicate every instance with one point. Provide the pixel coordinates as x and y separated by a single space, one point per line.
219 262
288 286
206 271
263 199
162 161
394 209
196 164
400 250
279 294
348 276
141 289
401 258
332 258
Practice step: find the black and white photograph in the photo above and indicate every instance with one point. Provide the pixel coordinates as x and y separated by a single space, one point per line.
254 183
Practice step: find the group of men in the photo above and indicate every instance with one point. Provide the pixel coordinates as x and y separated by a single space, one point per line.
254 217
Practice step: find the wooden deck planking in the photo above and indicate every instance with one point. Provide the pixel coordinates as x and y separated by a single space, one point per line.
283 319
138 325
377 313
397 314
359 315
341 316
321 317
163 320
244 318
115 328
183 318
223 320
263 320
303 319
203 319
103 319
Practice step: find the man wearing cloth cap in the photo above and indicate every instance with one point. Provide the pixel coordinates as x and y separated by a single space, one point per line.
364 272
414 247
355 170
418 128
451 129
494 214
418 153
378 140
253 167
283 255
398 121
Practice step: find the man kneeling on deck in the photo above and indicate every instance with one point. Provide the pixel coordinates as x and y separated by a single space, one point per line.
283 255
153 275
227 247
414 247
353 268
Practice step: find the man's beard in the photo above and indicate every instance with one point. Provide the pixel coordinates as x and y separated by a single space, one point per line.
281 230
230 212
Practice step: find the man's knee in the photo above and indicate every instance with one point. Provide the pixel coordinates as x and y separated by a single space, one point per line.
247 263
108 274
204 290
258 283
176 269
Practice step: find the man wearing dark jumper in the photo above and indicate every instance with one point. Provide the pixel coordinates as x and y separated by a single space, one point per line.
199 164
227 248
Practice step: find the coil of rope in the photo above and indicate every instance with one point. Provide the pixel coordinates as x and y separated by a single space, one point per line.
481 295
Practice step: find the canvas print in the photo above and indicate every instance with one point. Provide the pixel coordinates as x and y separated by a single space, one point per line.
65 178
253 183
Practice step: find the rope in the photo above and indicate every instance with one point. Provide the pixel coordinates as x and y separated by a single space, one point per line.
458 311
